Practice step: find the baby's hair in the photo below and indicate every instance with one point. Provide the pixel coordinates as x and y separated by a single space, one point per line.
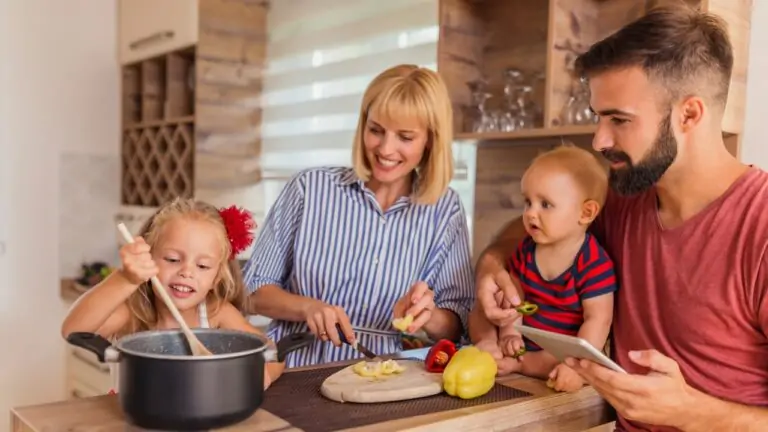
228 285
583 166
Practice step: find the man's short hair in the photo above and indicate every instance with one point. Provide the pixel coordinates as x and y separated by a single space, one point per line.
686 51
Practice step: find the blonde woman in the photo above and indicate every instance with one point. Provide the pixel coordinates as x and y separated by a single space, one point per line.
384 239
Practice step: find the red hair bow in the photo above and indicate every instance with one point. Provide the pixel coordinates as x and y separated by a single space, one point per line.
239 224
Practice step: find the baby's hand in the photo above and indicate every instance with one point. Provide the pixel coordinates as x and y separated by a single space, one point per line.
512 345
564 379
138 265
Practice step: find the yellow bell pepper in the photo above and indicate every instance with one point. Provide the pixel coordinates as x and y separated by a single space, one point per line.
470 373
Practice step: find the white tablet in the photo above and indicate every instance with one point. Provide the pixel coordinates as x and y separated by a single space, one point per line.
563 346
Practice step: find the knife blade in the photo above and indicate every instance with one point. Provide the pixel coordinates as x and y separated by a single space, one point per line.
360 348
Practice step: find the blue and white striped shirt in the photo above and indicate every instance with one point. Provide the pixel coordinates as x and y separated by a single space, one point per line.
326 237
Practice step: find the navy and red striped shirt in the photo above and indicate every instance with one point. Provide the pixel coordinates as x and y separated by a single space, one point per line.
560 299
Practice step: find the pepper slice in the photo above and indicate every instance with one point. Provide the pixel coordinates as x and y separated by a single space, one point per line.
439 355
519 353
527 308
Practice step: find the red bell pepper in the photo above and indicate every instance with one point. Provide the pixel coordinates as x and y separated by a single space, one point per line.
439 355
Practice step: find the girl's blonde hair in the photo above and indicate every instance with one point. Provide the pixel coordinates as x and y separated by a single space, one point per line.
228 285
409 91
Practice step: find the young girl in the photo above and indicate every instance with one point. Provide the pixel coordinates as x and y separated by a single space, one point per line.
190 246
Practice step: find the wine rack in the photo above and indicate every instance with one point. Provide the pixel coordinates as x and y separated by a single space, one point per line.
158 129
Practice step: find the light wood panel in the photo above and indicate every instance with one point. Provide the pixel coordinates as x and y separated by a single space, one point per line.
480 39
232 52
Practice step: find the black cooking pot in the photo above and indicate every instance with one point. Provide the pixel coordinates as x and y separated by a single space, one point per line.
162 386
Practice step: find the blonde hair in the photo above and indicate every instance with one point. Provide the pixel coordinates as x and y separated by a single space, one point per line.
585 169
409 91
228 285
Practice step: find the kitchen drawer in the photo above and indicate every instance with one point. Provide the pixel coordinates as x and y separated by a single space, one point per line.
86 373
147 28
79 390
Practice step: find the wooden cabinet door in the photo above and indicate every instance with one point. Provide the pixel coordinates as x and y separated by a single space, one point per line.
147 28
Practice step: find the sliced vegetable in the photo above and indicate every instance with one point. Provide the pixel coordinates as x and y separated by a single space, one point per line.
377 369
470 373
519 353
439 355
527 308
402 324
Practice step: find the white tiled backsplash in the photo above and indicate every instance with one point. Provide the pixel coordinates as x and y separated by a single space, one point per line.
133 217
89 191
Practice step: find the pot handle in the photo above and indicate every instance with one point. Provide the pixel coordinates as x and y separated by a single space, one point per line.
95 344
289 343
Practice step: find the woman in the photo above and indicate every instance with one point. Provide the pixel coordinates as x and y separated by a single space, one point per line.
385 239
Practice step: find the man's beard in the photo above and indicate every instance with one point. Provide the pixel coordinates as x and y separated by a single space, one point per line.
633 179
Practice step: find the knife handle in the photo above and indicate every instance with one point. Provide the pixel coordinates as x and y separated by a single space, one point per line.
341 335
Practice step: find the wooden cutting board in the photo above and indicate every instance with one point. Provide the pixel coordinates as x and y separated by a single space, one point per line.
414 382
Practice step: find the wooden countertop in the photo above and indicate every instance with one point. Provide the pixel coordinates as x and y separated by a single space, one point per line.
546 410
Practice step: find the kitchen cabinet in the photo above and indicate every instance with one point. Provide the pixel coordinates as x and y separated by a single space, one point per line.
86 376
147 28
190 121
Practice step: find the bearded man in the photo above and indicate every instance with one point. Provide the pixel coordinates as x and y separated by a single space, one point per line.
686 224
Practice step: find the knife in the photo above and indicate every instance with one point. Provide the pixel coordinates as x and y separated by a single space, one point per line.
360 348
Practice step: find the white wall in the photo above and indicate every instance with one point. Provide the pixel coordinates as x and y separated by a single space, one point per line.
57 94
755 140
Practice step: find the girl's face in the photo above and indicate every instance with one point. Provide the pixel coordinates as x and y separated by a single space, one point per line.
188 255
393 149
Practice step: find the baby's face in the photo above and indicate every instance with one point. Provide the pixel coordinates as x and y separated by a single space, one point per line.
553 204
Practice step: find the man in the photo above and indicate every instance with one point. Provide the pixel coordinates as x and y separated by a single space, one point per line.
687 226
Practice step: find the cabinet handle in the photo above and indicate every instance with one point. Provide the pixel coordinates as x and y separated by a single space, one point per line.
98 365
155 37
2 248
77 394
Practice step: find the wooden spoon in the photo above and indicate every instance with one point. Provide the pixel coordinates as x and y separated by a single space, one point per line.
198 349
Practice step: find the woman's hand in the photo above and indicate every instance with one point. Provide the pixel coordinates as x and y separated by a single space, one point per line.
138 265
322 318
419 302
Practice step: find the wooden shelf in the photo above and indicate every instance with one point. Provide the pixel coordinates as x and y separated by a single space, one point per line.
480 39
551 132
163 122
190 127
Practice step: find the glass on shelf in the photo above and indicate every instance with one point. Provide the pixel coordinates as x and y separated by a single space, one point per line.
482 120
576 110
518 111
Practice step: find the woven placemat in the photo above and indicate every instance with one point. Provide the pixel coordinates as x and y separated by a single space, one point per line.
296 398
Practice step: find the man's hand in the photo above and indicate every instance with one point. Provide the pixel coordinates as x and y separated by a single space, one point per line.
498 296
662 397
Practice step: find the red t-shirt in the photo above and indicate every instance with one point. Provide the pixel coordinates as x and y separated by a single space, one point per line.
697 292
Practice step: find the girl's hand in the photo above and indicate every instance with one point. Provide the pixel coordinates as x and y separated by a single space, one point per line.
322 318
138 265
419 302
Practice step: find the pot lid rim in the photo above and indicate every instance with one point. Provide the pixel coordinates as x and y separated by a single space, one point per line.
120 344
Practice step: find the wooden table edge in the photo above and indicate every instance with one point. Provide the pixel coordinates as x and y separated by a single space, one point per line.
543 404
